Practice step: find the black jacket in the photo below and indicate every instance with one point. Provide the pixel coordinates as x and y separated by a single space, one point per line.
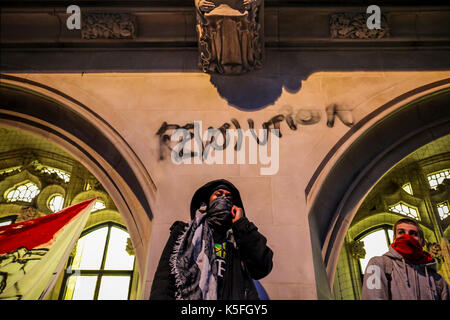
251 259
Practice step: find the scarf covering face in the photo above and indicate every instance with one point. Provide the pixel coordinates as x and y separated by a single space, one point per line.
410 249
193 259
219 216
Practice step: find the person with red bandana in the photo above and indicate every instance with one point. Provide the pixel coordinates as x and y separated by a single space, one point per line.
405 272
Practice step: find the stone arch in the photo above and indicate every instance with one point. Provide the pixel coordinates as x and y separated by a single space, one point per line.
72 126
382 139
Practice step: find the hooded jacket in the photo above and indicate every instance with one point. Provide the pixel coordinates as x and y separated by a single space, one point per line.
391 277
249 259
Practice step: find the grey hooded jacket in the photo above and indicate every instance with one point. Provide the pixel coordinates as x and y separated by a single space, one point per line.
391 277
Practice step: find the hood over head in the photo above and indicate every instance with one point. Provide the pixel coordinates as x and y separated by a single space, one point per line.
204 193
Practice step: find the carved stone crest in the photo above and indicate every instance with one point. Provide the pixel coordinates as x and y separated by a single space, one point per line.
354 26
108 26
229 35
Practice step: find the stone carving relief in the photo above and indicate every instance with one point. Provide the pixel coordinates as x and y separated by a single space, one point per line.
28 213
354 26
435 250
108 26
357 249
229 35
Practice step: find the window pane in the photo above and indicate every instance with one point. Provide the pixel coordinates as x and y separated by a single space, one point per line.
61 174
25 192
407 187
443 210
114 288
80 288
436 178
117 257
90 248
405 210
56 203
375 245
98 205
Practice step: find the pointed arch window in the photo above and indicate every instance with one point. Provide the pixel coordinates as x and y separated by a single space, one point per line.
101 268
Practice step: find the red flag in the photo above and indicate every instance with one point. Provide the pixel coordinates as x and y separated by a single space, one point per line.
33 252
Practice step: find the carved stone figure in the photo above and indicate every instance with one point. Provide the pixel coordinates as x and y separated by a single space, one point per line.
108 26
354 26
229 35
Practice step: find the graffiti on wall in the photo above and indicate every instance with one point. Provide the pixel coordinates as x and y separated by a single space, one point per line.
292 118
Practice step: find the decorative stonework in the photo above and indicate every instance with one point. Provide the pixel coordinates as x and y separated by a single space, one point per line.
229 35
129 247
28 213
354 26
108 26
436 251
357 249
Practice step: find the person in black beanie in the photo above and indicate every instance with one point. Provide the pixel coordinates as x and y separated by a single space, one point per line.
217 255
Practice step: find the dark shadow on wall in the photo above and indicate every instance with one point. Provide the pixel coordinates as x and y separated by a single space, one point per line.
253 91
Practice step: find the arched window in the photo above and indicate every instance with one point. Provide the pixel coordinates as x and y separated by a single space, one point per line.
101 268
376 243
56 202
25 191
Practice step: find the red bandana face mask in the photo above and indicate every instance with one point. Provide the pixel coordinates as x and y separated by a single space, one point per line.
411 250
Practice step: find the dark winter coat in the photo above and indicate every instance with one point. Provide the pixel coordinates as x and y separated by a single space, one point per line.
251 259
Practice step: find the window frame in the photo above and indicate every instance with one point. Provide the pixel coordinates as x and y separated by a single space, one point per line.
409 206
445 203
435 173
100 272
15 187
365 233
52 196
